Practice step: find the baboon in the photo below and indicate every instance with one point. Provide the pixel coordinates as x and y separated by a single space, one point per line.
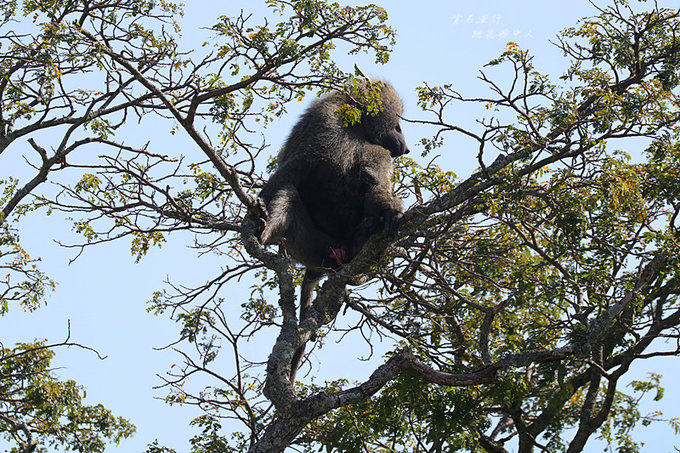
333 185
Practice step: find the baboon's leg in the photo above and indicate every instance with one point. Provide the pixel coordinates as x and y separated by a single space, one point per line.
289 219
309 282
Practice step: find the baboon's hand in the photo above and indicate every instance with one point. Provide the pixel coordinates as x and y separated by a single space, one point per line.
261 218
388 221
392 220
261 206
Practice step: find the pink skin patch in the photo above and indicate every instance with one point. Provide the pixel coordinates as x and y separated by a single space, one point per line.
338 255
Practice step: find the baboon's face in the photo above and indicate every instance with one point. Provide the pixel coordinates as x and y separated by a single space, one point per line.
394 141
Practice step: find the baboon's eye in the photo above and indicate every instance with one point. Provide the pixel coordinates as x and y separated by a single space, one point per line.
398 128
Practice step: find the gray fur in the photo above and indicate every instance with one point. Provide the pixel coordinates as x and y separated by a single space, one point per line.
333 186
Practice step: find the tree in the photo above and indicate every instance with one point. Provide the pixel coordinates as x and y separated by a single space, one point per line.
517 297
37 409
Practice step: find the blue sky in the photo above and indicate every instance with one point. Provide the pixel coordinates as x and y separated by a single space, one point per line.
103 293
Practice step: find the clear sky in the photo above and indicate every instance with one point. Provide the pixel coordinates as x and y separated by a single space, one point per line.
103 293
